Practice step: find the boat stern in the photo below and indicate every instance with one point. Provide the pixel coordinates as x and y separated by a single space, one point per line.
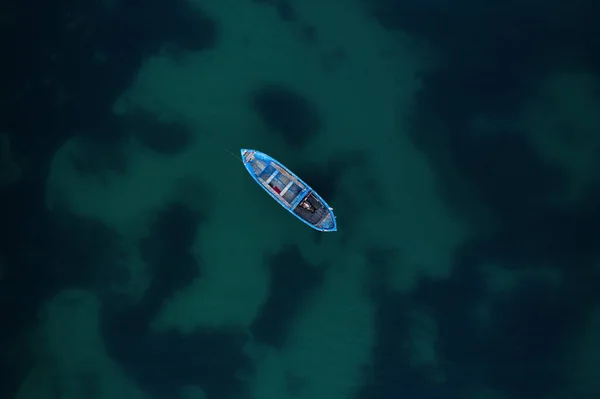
328 223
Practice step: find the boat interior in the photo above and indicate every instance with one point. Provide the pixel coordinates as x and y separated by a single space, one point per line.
287 187
280 182
311 209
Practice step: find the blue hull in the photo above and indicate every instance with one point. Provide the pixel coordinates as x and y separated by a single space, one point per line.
289 190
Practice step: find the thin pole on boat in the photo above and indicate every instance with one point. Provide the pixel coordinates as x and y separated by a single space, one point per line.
233 155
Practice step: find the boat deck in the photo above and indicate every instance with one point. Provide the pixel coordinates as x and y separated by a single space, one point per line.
278 181
314 215
289 190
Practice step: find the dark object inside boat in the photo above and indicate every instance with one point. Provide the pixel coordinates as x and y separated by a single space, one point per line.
311 209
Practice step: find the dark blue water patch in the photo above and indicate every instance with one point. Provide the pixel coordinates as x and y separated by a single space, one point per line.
163 363
164 137
63 80
49 252
92 63
549 238
506 171
103 149
529 335
519 34
462 87
81 252
285 9
391 374
292 282
494 55
347 202
174 231
19 312
325 178
580 230
453 303
499 164
310 34
61 77
156 21
560 239
166 249
287 113
89 384
380 262
521 348
69 74
99 153
332 60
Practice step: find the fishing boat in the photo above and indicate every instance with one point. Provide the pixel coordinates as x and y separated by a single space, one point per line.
289 190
